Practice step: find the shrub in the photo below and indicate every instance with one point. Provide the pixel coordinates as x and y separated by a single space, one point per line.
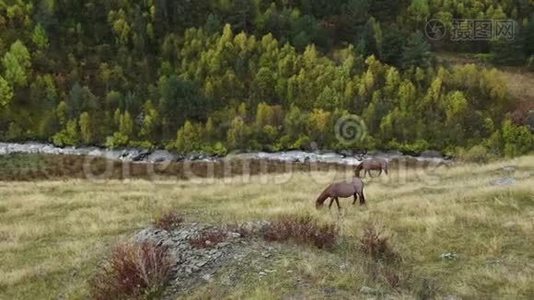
485 57
216 149
427 289
302 142
410 148
168 221
530 63
375 245
117 140
69 136
142 144
392 278
518 140
302 230
477 154
208 239
14 132
242 230
133 271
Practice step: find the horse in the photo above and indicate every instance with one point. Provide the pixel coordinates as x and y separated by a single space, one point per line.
342 189
372 164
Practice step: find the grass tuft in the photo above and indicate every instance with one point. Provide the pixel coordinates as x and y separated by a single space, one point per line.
302 230
392 278
374 244
427 289
242 230
168 221
133 271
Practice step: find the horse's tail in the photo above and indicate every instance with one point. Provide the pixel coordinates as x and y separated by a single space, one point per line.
322 197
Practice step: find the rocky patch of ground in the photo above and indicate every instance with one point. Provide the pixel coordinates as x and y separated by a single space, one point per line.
197 259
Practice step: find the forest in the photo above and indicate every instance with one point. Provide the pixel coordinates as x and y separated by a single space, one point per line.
222 75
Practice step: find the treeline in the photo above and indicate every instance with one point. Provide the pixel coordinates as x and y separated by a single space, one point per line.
277 76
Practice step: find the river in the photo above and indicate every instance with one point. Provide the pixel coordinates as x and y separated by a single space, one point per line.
154 156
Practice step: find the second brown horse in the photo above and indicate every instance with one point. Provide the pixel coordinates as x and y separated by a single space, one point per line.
372 164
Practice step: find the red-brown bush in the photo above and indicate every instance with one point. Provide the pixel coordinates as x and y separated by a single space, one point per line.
168 221
392 278
208 239
302 230
133 271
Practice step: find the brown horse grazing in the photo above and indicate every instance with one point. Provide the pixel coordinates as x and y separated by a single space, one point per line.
372 164
342 189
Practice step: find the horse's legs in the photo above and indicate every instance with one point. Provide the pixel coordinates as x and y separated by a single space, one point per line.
337 202
331 201
362 198
380 173
354 202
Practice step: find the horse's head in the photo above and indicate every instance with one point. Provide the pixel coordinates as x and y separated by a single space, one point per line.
361 154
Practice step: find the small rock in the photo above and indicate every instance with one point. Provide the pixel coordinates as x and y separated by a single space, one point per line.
509 169
504 181
448 256
207 277
368 290
262 273
143 155
223 244
329 290
234 235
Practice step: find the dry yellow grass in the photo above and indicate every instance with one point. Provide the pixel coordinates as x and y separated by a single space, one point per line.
520 83
53 233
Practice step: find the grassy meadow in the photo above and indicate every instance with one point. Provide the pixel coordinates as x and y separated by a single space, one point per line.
54 233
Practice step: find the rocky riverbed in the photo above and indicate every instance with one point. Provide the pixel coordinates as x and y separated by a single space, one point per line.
154 156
